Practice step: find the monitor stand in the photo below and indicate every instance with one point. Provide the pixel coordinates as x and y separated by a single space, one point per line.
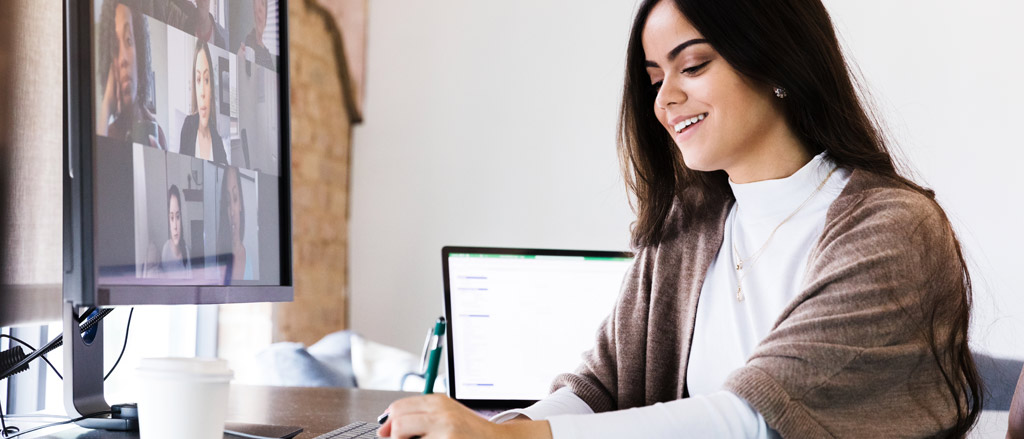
83 378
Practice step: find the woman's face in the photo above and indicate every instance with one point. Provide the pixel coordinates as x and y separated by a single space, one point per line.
174 216
203 88
718 118
126 72
235 208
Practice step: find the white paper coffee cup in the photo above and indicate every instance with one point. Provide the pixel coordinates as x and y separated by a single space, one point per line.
182 397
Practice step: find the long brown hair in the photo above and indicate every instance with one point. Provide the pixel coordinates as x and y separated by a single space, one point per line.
211 117
143 52
791 44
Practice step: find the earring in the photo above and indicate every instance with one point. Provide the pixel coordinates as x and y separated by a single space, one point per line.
780 92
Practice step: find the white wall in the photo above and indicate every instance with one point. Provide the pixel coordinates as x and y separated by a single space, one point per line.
493 124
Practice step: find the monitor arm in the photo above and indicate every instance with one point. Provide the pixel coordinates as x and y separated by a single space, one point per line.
83 377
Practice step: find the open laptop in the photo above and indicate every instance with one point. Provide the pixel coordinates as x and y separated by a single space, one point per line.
519 317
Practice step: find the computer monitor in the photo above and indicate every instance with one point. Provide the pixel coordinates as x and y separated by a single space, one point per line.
177 169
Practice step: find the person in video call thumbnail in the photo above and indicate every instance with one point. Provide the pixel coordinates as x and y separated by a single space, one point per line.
124 68
204 27
254 40
174 259
199 136
231 229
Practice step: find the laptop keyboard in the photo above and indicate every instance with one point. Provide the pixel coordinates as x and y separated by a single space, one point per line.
355 430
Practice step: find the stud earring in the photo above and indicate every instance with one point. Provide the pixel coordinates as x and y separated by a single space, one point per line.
780 92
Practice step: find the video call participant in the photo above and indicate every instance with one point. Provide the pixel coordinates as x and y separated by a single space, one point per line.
174 259
231 228
254 40
199 136
201 23
126 64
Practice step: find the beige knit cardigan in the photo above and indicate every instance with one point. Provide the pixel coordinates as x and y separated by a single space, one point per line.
848 357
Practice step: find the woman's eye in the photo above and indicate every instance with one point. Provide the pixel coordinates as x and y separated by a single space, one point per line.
695 69
655 87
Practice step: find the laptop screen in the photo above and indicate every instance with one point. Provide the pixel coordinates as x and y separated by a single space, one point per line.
518 318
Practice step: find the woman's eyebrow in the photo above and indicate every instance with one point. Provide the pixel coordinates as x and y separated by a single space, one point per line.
672 54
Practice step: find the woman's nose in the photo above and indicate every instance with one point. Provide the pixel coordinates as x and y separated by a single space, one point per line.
669 95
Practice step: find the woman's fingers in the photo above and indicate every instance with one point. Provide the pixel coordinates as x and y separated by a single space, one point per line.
415 404
412 425
421 415
115 74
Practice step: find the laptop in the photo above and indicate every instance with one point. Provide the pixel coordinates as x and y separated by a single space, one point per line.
517 318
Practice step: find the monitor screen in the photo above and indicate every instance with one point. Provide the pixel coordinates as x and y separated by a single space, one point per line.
504 306
187 142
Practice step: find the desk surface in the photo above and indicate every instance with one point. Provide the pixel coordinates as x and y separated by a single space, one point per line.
316 410
319 410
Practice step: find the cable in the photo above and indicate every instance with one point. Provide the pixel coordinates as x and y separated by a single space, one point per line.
12 431
6 431
56 342
91 415
85 314
127 328
33 350
38 416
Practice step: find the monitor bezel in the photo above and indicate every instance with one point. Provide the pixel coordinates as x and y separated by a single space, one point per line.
81 275
486 404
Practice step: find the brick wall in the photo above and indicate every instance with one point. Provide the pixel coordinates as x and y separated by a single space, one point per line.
321 139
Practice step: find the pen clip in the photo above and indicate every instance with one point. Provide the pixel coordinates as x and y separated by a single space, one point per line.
426 351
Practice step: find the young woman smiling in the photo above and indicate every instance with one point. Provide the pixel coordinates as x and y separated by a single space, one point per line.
788 281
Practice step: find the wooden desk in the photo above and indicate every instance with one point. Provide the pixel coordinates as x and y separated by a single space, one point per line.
316 410
319 410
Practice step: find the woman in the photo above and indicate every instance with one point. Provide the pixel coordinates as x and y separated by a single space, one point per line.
174 259
788 280
254 39
123 112
199 136
231 231
202 24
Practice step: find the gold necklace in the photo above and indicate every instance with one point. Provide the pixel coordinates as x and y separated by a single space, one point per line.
749 262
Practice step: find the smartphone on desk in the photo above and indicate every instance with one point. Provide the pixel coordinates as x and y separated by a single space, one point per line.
278 431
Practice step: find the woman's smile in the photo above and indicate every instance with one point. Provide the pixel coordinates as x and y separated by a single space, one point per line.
685 127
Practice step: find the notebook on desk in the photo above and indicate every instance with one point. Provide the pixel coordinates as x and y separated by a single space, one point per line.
519 317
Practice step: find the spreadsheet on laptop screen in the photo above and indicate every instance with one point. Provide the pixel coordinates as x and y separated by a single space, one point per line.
520 320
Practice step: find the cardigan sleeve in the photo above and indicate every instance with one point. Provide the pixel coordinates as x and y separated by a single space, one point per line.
597 380
854 346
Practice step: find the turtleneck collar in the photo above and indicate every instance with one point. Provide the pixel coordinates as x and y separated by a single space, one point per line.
768 199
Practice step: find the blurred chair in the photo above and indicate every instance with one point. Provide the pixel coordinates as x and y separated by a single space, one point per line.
340 359
998 375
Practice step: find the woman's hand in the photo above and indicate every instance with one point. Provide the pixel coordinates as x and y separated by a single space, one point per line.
438 416
111 100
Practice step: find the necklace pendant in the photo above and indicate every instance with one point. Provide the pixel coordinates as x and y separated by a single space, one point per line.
739 294
739 266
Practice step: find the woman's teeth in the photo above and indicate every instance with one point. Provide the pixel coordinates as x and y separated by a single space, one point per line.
682 125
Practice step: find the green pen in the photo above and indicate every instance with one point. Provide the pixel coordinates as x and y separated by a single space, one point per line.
435 355
434 349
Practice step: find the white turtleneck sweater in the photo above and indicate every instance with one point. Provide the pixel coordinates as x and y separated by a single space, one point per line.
726 330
